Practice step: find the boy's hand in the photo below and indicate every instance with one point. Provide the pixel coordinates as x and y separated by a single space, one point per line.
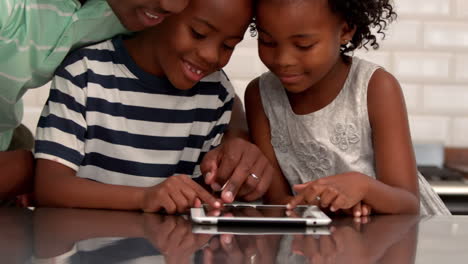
232 164
176 194
341 191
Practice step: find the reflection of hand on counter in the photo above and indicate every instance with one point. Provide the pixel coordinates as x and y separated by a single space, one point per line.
229 248
112 235
384 239
173 237
15 235
242 249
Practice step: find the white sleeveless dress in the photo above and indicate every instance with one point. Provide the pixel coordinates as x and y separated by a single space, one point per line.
332 140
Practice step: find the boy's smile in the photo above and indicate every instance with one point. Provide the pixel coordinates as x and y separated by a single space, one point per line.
193 72
187 47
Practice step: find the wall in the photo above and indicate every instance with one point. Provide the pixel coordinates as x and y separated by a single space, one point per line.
426 49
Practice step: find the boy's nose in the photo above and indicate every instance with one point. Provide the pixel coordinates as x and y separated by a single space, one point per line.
173 6
209 55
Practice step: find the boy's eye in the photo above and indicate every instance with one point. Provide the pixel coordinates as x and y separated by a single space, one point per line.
228 47
197 35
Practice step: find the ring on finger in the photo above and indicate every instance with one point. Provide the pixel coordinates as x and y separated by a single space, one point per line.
254 176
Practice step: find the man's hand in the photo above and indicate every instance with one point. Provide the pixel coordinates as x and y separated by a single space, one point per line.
237 168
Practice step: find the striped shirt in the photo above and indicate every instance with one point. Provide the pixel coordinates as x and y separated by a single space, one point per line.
110 121
35 36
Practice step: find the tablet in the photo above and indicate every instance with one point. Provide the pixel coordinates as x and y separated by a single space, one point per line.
252 214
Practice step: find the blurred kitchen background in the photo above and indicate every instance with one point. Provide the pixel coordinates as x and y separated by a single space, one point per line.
427 50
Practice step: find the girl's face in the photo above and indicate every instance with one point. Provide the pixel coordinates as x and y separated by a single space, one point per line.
198 41
299 41
137 15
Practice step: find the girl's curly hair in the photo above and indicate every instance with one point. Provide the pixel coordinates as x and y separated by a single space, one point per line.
364 15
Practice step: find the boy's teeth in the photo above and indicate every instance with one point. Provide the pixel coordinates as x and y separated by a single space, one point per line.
195 71
151 15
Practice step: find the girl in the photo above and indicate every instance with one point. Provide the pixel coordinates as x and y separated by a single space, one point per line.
336 126
128 120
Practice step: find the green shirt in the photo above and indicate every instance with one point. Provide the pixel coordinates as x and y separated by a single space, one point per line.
35 36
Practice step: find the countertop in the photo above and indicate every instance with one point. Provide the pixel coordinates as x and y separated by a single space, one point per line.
48 235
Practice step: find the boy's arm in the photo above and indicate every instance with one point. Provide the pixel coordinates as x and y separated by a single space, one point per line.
58 186
396 190
259 127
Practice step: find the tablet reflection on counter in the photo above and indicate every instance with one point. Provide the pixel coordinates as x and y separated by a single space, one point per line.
84 236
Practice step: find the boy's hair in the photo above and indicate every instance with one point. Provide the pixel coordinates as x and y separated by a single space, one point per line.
364 15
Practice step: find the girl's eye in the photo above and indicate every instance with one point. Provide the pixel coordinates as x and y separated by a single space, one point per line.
196 34
305 47
265 43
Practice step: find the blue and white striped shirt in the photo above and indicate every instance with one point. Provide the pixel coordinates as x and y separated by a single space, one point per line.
114 123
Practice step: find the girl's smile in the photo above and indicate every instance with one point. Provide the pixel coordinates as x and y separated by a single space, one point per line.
290 78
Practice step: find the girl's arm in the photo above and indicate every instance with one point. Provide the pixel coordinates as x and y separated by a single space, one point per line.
396 190
259 128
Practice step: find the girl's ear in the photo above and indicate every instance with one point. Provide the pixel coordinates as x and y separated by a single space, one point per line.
347 33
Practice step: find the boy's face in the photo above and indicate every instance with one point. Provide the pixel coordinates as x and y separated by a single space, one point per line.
199 40
137 15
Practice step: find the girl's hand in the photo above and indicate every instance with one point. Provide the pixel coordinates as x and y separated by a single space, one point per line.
359 210
341 191
176 195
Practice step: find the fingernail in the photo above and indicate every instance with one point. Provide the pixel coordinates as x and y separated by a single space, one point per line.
298 252
357 214
228 195
208 175
217 204
216 187
227 239
288 206
333 209
288 213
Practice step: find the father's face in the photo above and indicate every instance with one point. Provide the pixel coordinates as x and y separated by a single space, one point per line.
137 15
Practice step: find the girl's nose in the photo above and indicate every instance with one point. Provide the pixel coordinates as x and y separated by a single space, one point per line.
284 58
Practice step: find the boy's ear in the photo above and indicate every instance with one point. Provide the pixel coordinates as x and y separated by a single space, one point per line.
347 33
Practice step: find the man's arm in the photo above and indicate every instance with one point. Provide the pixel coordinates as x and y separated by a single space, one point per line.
16 173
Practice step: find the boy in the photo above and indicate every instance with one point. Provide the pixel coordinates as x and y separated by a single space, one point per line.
28 60
132 117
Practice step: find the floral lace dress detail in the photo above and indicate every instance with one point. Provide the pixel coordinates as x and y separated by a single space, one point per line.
332 140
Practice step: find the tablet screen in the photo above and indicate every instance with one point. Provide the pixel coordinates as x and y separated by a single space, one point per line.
265 211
